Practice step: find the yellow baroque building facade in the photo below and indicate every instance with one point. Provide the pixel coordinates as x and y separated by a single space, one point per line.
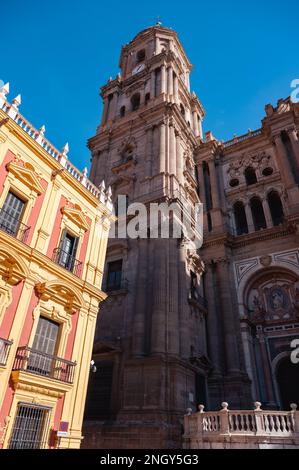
54 226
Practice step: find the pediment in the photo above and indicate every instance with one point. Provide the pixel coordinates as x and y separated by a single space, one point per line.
26 175
61 292
76 216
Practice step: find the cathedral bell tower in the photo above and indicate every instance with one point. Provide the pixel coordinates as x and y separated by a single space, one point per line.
150 347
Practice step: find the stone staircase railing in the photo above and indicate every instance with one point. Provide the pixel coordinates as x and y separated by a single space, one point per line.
241 428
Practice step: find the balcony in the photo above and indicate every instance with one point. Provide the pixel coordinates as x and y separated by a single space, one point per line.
120 287
13 226
39 363
67 261
5 345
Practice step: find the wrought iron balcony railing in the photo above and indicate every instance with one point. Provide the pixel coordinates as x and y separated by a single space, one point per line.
40 363
67 261
5 345
122 285
13 226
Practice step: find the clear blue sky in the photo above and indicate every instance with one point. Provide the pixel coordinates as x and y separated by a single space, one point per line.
57 54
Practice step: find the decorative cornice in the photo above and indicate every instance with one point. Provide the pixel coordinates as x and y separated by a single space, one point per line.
26 175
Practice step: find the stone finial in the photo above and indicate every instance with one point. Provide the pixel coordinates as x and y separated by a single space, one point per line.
40 135
189 411
84 176
17 101
257 405
63 156
102 186
65 149
269 109
102 195
209 136
42 130
109 192
201 408
224 405
4 90
293 406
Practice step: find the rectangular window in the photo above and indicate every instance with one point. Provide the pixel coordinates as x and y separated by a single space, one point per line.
68 251
114 275
11 213
30 427
44 347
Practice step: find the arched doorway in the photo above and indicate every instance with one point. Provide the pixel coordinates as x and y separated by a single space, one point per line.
287 376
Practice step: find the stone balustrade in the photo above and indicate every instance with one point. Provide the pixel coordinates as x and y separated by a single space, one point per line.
11 109
241 428
241 138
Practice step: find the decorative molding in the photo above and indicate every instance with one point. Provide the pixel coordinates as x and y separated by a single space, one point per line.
12 267
61 292
289 257
76 216
27 175
243 267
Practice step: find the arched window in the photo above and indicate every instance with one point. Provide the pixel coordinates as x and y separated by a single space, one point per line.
240 218
258 213
276 208
135 101
250 175
147 98
182 109
140 56
122 111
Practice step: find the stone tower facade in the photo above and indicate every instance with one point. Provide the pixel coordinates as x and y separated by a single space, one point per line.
151 346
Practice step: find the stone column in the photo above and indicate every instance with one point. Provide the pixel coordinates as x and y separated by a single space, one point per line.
149 150
267 213
249 218
214 184
163 79
266 368
113 106
295 144
104 113
176 88
213 323
153 83
170 81
160 294
138 342
162 152
179 157
173 329
195 123
184 311
202 186
249 358
228 318
283 162
202 194
172 150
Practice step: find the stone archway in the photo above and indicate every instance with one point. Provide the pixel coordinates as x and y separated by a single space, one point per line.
287 376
